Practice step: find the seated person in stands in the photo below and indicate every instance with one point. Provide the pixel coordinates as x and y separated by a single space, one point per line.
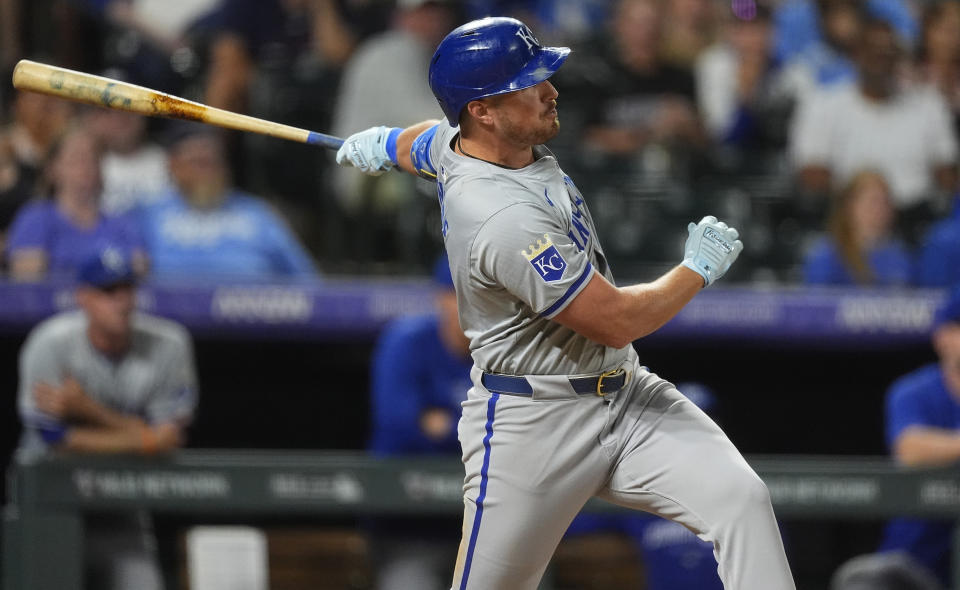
938 262
134 169
421 374
105 379
206 229
50 237
673 557
736 97
36 123
923 429
859 248
883 122
16 188
629 95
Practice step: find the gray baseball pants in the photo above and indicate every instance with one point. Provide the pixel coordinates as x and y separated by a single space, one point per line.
531 464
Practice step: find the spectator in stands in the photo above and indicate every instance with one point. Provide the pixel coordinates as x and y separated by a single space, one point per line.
938 56
384 210
16 187
673 557
38 123
50 237
798 23
420 375
205 229
905 132
938 262
105 379
632 98
393 63
859 248
734 84
281 60
828 60
133 169
923 429
153 41
689 27
255 34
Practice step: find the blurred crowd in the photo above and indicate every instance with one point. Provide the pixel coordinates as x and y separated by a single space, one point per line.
826 130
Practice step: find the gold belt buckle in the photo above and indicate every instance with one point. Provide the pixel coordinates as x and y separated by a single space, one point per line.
603 376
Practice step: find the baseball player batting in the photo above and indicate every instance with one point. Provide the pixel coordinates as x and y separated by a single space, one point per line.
561 408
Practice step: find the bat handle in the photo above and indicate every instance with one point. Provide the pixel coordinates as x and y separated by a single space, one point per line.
323 140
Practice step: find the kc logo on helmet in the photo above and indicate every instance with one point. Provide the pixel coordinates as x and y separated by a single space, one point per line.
528 38
546 260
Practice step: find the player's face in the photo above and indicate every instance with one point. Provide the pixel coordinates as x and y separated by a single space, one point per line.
108 310
528 117
947 343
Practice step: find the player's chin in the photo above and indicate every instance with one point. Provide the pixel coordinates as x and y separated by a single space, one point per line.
555 128
551 125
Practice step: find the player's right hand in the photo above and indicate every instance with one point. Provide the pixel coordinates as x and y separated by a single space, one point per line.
711 248
367 150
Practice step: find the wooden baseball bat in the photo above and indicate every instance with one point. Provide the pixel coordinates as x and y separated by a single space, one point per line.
114 94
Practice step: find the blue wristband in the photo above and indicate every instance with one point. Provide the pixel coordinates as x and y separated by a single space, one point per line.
53 433
392 144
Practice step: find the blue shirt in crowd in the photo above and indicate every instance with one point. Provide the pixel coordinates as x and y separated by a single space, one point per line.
673 557
797 24
242 239
921 398
890 263
40 225
938 263
412 372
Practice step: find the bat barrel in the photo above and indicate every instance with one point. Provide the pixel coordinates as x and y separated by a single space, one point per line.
114 94
102 92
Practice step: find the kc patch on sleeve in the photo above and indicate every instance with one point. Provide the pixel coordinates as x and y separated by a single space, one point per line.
546 259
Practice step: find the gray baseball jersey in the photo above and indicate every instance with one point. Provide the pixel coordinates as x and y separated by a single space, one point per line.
522 246
155 380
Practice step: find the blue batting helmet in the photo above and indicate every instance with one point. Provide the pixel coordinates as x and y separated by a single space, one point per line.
485 57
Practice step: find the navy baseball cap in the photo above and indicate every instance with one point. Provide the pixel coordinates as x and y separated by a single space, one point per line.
106 268
441 273
949 312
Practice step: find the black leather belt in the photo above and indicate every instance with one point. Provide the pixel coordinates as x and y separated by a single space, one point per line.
601 385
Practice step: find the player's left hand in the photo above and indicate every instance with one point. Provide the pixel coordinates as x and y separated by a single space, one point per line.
367 150
711 248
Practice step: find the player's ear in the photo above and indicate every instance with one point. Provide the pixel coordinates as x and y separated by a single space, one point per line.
480 110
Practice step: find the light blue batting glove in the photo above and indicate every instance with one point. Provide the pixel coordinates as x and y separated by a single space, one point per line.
711 248
370 150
